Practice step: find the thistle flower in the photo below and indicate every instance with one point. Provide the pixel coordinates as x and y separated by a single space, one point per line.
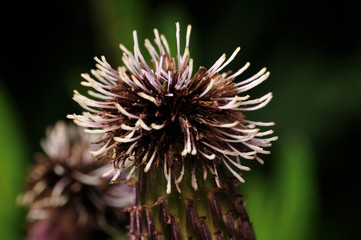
160 115
66 197
173 129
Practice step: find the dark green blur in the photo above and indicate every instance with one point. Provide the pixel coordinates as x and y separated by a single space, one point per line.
308 188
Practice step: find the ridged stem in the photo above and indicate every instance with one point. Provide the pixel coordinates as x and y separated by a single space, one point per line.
208 213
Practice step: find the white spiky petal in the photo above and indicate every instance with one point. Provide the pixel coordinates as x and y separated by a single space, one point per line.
129 109
67 177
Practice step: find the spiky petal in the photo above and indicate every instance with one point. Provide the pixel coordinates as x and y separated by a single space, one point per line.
66 197
159 114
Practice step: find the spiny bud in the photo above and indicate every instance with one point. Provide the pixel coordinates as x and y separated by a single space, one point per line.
161 115
171 128
66 197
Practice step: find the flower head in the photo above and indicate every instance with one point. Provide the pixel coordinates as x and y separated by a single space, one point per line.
66 192
159 114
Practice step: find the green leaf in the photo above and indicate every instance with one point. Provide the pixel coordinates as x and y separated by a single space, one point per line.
285 205
12 165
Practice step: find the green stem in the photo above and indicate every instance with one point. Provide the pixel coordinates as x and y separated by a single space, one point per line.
208 213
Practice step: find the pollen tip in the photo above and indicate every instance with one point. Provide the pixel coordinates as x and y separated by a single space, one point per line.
71 116
246 168
86 84
93 153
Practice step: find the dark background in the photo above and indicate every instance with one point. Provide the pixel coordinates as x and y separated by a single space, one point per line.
309 187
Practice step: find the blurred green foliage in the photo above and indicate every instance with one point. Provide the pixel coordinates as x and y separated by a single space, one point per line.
309 188
284 204
13 161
